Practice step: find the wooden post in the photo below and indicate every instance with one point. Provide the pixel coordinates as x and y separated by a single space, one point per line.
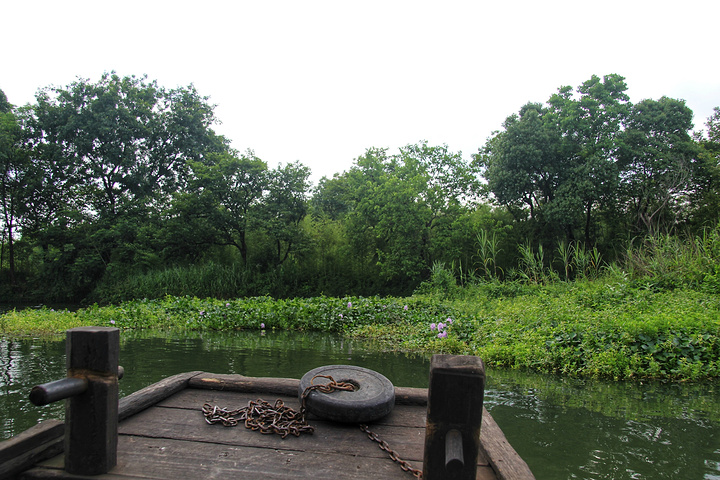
455 402
91 417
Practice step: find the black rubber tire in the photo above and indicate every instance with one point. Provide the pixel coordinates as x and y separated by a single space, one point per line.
373 398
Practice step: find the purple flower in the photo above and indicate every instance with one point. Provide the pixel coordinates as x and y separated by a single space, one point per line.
449 320
432 326
262 325
202 312
341 316
112 321
441 326
349 304
442 334
405 308
227 304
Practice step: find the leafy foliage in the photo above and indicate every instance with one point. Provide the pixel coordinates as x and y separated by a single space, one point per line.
119 189
608 328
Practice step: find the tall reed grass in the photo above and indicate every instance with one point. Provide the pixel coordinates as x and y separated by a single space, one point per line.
667 262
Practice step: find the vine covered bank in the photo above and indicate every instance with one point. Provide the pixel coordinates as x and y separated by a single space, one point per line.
611 328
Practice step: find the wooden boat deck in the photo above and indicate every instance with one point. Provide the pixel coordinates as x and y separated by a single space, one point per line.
163 435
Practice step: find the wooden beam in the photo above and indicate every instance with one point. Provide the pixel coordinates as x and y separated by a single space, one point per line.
34 445
454 417
152 394
91 418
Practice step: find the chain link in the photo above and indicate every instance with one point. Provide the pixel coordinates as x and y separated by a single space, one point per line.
261 416
329 387
406 466
266 418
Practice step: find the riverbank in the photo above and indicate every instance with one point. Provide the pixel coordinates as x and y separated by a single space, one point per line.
605 329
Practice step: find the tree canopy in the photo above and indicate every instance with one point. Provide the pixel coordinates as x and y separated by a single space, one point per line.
102 181
589 161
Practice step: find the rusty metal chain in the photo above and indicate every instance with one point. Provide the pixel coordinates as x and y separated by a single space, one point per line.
329 387
261 416
406 466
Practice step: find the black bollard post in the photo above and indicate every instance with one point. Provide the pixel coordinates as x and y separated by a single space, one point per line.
455 401
91 417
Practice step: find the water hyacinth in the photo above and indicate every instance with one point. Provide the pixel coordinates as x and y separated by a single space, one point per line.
262 325
432 326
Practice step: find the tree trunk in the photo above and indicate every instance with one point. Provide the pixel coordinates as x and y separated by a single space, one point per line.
587 224
243 247
11 255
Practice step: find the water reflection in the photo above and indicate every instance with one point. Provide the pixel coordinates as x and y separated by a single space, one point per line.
570 428
564 428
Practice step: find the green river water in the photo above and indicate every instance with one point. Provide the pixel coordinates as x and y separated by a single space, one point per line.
564 428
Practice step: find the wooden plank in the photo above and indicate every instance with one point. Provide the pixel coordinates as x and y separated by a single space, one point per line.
57 473
35 444
163 459
404 416
193 399
411 396
152 394
329 437
506 462
403 428
285 386
239 383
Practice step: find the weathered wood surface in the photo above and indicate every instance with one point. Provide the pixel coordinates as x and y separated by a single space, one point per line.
171 440
34 445
152 394
92 356
284 386
507 464
454 416
502 456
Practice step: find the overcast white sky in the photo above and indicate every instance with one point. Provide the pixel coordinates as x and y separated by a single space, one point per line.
322 81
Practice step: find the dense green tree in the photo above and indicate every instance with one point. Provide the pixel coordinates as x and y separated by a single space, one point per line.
396 204
523 164
222 202
590 125
5 105
122 140
284 207
106 159
331 197
558 163
14 161
656 162
705 194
